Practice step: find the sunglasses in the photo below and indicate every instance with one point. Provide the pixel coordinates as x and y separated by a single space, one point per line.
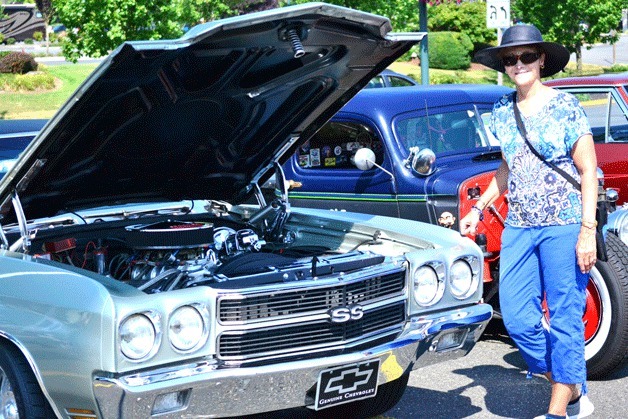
525 57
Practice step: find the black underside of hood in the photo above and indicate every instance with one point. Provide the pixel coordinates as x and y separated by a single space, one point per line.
203 116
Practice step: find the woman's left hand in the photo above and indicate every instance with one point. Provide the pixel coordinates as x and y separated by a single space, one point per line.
586 249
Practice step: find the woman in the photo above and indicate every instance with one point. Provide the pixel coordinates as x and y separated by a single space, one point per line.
548 244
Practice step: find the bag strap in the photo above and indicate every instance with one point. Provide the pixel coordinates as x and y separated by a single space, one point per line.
524 134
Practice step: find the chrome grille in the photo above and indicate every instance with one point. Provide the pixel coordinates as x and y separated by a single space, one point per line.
308 301
321 333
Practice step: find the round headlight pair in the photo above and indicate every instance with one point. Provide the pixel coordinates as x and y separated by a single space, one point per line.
140 333
428 281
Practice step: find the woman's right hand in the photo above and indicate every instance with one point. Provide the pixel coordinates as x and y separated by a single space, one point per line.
469 224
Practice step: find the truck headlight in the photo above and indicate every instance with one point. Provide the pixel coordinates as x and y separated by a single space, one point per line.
428 287
138 336
187 328
461 279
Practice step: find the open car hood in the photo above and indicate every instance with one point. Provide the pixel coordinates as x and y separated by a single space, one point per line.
203 116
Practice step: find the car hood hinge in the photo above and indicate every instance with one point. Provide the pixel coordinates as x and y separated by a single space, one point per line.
4 243
21 219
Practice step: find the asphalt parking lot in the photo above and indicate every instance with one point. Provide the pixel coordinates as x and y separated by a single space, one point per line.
491 383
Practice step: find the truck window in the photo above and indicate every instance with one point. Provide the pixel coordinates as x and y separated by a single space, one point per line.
335 144
441 132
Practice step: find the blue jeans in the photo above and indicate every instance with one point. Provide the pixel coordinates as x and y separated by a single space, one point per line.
537 262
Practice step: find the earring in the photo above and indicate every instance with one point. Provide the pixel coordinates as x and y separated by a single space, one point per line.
542 66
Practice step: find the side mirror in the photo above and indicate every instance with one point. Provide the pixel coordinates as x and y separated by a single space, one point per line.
423 162
364 159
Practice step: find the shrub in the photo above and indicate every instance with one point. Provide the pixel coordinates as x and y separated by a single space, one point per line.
1 38
457 77
17 63
32 82
38 36
449 50
29 41
10 41
617 68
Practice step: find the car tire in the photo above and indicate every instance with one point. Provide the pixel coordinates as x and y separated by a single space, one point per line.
606 313
388 395
20 394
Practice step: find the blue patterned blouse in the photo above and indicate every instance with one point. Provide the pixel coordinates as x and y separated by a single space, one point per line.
537 194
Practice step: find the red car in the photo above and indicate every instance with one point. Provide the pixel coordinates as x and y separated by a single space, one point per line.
605 100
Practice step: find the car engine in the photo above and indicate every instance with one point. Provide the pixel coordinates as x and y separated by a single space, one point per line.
181 252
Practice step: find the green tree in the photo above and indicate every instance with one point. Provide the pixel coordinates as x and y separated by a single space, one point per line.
243 7
209 10
573 23
464 17
95 27
403 14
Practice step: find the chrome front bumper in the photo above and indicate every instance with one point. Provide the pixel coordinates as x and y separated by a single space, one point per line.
207 390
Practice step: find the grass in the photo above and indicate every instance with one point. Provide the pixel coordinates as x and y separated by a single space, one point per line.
37 102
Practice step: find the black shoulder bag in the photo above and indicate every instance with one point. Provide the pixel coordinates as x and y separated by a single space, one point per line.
599 237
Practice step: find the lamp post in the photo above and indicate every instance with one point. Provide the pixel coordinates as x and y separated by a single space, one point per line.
425 77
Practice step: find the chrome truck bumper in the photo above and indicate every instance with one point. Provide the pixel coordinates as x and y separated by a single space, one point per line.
204 389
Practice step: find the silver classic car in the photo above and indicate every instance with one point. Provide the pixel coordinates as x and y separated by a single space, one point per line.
144 272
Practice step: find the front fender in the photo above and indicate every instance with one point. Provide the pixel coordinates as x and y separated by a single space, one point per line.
57 319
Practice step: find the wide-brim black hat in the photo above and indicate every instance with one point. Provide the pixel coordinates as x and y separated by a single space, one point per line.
556 55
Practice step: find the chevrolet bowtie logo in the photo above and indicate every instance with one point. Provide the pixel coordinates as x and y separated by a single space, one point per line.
361 377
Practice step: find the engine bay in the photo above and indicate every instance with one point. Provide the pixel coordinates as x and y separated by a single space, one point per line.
168 253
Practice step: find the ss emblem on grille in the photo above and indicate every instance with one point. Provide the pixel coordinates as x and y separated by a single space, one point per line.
344 314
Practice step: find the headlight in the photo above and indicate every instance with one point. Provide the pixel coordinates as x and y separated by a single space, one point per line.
427 286
461 281
187 328
138 336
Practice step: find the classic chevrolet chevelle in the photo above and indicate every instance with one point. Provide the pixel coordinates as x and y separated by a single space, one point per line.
143 271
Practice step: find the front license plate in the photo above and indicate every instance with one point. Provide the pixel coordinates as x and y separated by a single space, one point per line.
346 384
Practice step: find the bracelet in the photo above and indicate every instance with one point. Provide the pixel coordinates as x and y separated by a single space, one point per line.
591 224
479 212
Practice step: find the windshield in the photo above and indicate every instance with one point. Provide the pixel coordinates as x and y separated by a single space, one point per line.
442 132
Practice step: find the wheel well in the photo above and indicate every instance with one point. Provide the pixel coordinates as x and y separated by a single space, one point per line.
19 353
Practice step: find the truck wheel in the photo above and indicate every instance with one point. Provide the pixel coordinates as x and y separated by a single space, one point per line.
606 314
386 398
20 395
